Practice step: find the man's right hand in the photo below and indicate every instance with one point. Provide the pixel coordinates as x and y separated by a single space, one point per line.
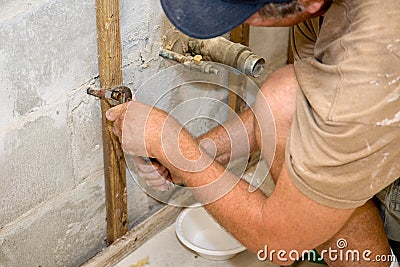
154 174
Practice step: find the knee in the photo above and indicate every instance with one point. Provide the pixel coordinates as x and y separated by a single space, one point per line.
279 93
277 97
281 82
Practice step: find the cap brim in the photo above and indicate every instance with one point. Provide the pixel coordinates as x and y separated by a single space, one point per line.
205 19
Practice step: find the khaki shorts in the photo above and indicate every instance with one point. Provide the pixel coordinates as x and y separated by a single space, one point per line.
344 144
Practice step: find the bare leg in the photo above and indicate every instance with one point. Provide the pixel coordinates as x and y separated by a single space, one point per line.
364 230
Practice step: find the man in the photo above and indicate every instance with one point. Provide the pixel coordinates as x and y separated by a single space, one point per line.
337 127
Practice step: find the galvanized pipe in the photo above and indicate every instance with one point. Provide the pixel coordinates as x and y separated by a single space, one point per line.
232 54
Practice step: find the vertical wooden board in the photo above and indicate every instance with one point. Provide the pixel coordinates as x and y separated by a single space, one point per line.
110 69
237 94
241 34
290 48
237 84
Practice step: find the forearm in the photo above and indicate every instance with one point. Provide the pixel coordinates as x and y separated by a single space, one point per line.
286 221
233 139
227 196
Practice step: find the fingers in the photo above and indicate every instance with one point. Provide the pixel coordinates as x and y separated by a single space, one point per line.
113 113
156 180
117 115
154 174
162 188
148 166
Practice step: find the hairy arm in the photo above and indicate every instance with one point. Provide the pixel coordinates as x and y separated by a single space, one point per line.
222 143
287 220
238 132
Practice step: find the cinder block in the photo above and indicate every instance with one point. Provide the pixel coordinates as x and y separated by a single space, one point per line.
65 231
45 51
36 163
84 123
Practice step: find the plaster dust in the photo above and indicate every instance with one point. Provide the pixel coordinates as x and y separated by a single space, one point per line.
390 121
12 7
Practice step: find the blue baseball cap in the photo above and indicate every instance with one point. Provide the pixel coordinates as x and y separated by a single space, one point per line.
204 19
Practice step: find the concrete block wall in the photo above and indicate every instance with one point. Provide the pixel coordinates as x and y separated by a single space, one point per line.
52 210
52 206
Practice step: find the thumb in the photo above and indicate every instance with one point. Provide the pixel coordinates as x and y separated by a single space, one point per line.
113 113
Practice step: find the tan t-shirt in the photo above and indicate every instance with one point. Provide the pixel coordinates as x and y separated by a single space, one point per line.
344 145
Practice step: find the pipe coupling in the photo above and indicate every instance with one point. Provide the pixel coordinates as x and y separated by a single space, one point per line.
226 52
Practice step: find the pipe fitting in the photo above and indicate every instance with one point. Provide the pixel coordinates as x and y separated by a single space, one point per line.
226 52
194 63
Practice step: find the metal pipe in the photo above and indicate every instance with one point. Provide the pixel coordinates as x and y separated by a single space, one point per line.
193 63
175 56
232 54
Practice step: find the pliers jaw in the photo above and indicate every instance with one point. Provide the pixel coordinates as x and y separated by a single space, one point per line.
114 96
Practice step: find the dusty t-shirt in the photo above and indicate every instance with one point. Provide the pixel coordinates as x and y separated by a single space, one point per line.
344 144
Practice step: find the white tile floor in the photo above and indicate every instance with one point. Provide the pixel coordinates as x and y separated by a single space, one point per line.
165 250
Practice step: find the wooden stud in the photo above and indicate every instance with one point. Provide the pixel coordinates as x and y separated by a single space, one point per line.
241 34
290 48
237 83
110 69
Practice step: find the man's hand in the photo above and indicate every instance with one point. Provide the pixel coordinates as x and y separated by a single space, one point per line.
117 116
138 127
154 174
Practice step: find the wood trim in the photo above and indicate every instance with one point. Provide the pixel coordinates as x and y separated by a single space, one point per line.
139 235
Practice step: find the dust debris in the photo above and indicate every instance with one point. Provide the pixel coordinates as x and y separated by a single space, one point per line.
394 98
388 122
141 263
